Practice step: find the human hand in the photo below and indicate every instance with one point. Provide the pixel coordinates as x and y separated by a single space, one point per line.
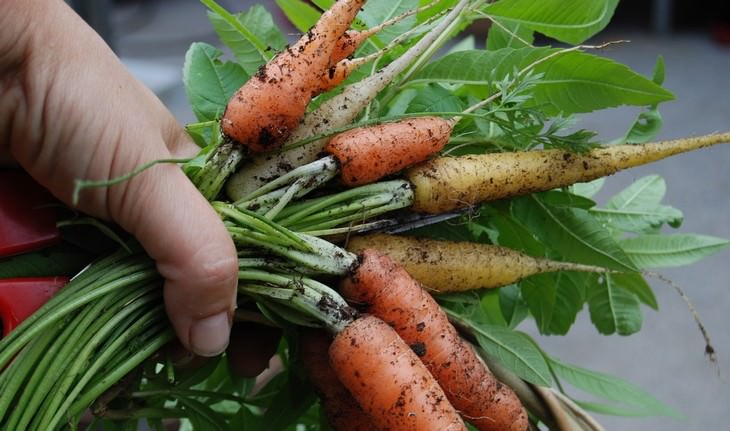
68 110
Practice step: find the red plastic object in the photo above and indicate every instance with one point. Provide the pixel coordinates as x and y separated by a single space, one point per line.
21 297
27 214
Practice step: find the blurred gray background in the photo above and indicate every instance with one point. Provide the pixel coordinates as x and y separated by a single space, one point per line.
667 357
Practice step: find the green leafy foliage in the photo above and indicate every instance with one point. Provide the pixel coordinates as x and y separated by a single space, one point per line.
210 82
572 232
252 37
571 21
655 251
638 208
514 349
628 397
571 81
299 13
378 11
614 309
509 35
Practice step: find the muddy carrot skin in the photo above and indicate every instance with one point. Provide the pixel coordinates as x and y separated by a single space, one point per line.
264 111
342 411
449 183
389 381
383 288
367 154
457 266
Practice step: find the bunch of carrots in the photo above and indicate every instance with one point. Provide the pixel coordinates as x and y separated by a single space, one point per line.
385 355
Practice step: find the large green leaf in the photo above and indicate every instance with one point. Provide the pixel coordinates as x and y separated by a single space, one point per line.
572 82
634 282
540 293
209 82
638 207
570 297
656 251
570 21
613 308
612 388
509 35
574 233
514 349
300 13
378 11
252 36
435 98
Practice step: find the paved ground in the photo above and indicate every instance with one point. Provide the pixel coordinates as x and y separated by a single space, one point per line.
666 358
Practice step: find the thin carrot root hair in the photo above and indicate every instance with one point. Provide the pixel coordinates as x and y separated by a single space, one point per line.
710 350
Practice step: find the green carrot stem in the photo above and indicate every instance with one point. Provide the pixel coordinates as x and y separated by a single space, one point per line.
83 362
163 334
301 293
254 221
37 323
296 212
215 171
93 324
326 167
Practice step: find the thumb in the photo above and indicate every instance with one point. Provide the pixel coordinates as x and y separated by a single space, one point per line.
193 252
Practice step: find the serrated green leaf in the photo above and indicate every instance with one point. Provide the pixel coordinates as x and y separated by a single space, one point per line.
515 350
613 308
570 21
509 35
612 388
574 233
562 199
300 13
570 297
252 37
512 306
658 251
513 234
378 11
634 282
644 192
588 189
638 207
572 82
209 83
540 293
435 98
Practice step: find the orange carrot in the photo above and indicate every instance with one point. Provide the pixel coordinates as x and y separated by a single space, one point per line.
388 380
367 154
386 290
265 110
342 411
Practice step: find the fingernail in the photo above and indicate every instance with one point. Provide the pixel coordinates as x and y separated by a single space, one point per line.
209 336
